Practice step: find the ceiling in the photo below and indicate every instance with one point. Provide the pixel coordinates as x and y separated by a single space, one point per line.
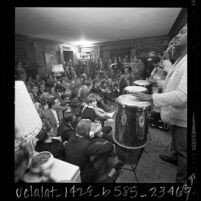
97 25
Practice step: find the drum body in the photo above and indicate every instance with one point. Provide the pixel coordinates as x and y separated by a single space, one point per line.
134 89
131 126
143 83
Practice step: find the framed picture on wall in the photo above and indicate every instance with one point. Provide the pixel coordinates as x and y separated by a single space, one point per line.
50 59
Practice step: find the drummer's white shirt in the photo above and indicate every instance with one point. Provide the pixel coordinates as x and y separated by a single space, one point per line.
173 102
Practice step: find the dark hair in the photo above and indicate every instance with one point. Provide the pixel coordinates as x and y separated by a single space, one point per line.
59 88
129 69
95 81
42 135
90 99
68 116
34 85
51 102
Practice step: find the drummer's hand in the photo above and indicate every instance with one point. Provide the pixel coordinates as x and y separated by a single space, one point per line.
151 80
143 96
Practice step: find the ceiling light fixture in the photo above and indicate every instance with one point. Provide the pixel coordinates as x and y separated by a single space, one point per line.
83 43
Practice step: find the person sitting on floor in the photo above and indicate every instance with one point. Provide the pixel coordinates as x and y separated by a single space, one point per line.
80 149
93 113
48 143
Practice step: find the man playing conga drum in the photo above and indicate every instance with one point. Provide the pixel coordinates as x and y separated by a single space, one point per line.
173 104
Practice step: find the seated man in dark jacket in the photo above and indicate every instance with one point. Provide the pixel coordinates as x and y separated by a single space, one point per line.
80 150
47 143
66 129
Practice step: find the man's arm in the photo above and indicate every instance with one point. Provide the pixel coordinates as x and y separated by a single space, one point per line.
100 148
177 97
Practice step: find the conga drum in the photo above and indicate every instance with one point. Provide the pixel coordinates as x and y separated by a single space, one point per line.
134 89
143 83
131 126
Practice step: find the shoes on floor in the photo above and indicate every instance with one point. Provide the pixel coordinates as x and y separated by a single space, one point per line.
169 159
114 173
117 167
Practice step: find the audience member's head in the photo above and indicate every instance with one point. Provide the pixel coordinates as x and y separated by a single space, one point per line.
42 87
43 134
37 77
34 89
60 89
39 109
96 83
91 101
68 116
53 103
83 127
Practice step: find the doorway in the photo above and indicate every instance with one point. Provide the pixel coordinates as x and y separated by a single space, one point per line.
68 55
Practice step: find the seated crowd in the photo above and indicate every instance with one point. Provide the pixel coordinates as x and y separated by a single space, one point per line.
73 109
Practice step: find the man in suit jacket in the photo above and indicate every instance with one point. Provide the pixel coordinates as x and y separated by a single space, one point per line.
52 115
66 129
173 104
80 149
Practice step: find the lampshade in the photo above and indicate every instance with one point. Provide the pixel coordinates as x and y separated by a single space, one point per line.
27 121
58 68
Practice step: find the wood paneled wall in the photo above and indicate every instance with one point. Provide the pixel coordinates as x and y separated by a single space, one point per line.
142 46
31 51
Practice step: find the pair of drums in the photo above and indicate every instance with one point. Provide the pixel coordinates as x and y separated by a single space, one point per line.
143 83
131 127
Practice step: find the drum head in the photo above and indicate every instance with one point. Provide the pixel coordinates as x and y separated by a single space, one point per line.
133 89
142 82
130 100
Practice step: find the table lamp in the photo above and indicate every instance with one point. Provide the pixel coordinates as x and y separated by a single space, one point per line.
27 121
57 68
